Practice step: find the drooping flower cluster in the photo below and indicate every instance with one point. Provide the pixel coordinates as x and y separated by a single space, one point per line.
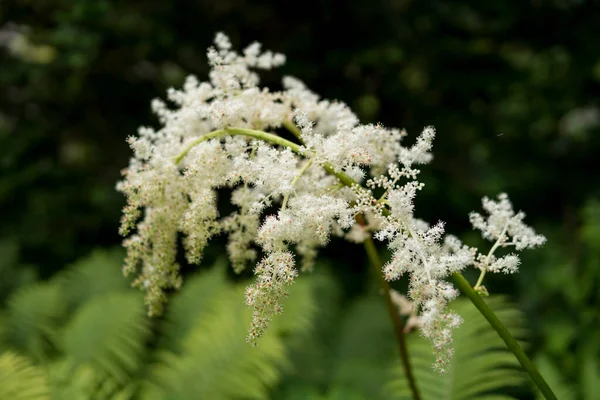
231 133
274 273
420 251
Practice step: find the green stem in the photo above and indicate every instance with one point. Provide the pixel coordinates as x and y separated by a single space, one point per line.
480 280
460 281
267 137
293 129
302 171
395 317
489 256
510 341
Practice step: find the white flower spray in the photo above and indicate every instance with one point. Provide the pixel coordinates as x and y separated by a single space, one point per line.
223 134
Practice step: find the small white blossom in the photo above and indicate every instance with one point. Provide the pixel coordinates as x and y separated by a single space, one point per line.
420 153
507 264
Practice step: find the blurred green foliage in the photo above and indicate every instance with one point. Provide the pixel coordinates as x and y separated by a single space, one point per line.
510 86
84 335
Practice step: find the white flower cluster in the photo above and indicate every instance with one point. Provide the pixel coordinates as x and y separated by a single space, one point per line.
229 133
506 228
420 250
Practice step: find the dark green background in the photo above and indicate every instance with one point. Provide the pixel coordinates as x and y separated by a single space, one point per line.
497 79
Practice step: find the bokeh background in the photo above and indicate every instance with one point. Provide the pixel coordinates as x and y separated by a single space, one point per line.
512 88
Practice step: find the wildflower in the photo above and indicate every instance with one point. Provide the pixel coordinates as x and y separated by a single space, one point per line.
291 197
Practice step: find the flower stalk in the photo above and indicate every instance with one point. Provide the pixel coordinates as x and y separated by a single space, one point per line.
375 261
489 256
371 250
510 341
293 129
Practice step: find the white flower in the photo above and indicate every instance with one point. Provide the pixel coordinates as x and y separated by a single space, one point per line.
177 170
506 228
507 264
503 220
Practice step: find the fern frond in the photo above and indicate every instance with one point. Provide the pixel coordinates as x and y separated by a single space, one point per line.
193 300
94 275
300 309
553 376
12 275
21 380
366 348
109 334
347 356
84 383
311 352
32 320
215 361
481 366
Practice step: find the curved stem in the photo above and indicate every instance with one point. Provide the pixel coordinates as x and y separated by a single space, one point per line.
267 137
394 316
460 281
293 129
510 341
480 280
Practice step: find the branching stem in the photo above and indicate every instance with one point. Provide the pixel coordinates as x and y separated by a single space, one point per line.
293 129
489 256
460 281
267 137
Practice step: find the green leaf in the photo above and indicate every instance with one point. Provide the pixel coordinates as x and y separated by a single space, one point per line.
366 348
32 319
555 380
215 361
84 383
312 352
590 376
109 334
21 380
191 303
92 276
